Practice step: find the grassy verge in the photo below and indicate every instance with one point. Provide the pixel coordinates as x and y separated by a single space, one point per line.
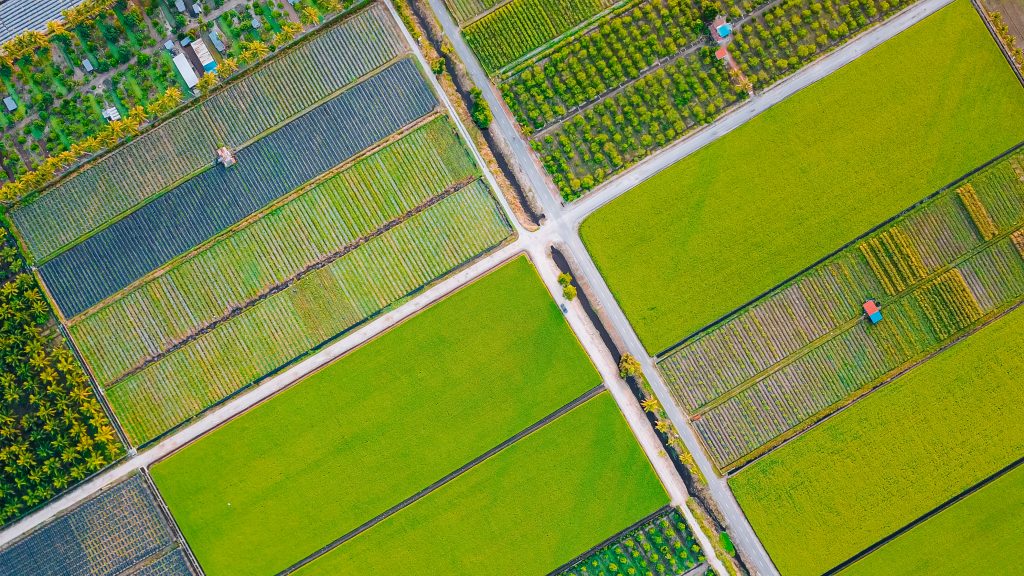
741 215
890 458
376 426
527 510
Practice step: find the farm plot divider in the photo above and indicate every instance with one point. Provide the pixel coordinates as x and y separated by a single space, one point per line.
596 103
797 354
205 205
315 309
310 228
113 532
273 92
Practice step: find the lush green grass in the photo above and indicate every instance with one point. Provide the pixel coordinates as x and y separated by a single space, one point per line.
890 458
528 510
375 427
981 534
757 206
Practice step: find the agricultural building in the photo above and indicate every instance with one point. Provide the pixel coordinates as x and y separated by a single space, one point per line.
169 46
180 5
111 114
873 311
185 69
257 23
10 104
225 156
217 42
202 53
87 64
721 30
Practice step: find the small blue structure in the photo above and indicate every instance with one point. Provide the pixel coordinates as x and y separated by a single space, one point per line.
721 30
217 43
873 311
87 64
169 46
10 104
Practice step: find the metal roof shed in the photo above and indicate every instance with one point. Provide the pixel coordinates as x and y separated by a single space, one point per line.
10 104
185 69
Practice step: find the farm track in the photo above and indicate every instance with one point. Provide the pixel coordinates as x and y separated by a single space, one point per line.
209 327
252 218
561 227
445 480
687 50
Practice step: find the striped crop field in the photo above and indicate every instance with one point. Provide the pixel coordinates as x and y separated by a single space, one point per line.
521 26
116 531
203 206
465 10
795 355
321 305
274 92
356 201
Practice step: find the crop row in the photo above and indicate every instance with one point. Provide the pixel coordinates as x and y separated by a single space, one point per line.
948 303
825 375
915 325
628 125
205 205
465 10
820 301
619 50
173 563
324 303
661 545
109 534
996 276
795 32
894 259
520 26
274 92
767 46
769 331
1001 190
322 221
979 214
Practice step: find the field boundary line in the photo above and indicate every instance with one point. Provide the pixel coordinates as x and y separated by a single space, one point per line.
317 265
983 13
212 165
928 515
825 415
909 292
86 162
700 332
683 52
663 511
586 396
252 218
171 522
97 390
581 27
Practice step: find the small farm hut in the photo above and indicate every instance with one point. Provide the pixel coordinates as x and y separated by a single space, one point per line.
873 311
10 104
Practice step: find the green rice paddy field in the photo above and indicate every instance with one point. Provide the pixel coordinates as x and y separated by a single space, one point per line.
375 427
887 460
980 534
529 509
755 207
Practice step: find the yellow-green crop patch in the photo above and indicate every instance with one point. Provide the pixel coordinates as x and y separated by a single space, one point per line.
892 457
738 217
527 510
377 426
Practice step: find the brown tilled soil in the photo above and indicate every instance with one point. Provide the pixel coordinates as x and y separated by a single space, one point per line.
1013 15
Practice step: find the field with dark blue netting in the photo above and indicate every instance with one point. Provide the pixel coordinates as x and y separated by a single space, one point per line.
173 563
199 208
108 534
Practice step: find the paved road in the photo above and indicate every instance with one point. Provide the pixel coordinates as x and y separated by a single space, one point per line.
561 227
563 224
